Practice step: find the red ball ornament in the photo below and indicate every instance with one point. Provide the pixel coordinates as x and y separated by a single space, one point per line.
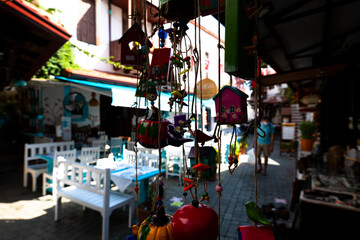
194 223
136 189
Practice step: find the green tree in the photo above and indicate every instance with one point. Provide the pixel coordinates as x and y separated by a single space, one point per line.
62 59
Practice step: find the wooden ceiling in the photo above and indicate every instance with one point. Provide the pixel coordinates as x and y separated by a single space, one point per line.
27 40
301 38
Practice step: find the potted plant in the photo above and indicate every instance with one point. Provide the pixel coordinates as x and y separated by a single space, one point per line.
307 130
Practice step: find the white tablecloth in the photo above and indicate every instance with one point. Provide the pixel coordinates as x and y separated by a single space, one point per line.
124 178
122 173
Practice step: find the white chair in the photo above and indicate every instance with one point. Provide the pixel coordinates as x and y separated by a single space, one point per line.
174 163
30 155
48 176
149 159
101 143
89 155
129 157
130 145
103 135
116 145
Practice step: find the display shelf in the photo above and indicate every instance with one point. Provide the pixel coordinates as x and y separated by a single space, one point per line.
319 201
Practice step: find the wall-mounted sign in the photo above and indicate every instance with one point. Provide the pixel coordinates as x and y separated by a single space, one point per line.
207 87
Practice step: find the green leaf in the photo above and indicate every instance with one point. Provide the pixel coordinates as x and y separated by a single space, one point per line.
144 232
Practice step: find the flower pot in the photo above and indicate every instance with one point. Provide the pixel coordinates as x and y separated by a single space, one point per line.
242 151
306 144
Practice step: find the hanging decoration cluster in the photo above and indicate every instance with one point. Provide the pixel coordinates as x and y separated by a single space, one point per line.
169 70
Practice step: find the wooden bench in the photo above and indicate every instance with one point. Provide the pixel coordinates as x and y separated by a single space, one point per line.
93 191
30 159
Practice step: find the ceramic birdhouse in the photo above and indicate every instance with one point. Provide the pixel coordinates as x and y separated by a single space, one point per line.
251 232
131 44
159 67
207 157
231 106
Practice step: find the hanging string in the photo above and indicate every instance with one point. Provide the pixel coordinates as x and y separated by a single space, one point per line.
200 64
159 114
136 189
256 115
194 99
219 178
219 135
136 121
136 183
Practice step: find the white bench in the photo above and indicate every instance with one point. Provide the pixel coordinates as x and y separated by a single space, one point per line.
47 176
93 191
36 169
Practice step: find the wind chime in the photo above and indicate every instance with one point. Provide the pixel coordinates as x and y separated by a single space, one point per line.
170 68
241 59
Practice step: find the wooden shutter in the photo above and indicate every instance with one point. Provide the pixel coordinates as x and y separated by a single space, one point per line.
86 28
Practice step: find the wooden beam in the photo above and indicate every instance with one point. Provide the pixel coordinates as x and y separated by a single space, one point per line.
304 74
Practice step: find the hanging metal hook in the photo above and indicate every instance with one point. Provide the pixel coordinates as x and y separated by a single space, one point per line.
195 55
246 133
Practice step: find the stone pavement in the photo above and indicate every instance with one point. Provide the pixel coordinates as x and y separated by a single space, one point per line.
28 215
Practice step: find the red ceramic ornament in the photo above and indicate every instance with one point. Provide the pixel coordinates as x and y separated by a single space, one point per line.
250 232
147 133
194 223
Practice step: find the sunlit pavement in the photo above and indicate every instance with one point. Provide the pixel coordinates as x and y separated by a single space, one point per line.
28 215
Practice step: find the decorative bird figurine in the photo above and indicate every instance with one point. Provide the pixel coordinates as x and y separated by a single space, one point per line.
175 138
254 214
202 137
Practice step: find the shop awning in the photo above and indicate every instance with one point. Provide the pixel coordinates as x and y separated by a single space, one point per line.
123 96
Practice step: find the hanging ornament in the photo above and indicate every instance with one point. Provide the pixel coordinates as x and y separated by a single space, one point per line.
251 232
255 214
231 109
208 158
233 106
262 228
219 189
178 97
151 94
162 35
195 221
131 47
147 131
174 138
93 101
156 227
159 68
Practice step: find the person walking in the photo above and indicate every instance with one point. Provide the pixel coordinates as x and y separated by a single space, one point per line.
265 143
